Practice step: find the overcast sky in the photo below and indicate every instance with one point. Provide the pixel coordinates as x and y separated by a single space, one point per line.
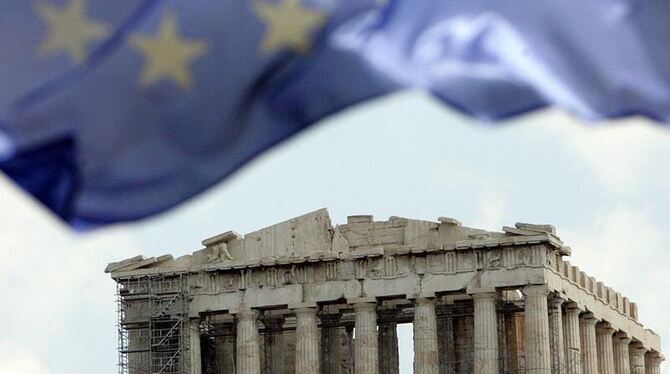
604 187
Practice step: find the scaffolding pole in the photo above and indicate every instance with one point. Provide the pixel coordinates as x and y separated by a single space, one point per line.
152 321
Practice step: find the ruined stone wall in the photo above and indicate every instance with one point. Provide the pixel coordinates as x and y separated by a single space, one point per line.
395 271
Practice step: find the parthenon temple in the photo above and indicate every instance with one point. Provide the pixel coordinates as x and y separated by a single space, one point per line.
306 297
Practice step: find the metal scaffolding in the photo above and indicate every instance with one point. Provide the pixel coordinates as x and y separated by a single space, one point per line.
152 325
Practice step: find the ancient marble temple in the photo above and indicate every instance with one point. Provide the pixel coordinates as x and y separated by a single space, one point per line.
305 297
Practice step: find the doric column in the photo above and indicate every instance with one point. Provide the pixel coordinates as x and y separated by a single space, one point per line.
274 344
445 339
556 342
194 346
587 333
388 344
573 355
538 352
486 331
652 362
331 344
224 351
604 346
620 342
514 342
351 351
366 359
290 341
307 344
637 352
248 343
425 336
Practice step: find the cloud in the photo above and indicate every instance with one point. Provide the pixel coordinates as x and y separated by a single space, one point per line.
53 283
617 154
17 361
491 208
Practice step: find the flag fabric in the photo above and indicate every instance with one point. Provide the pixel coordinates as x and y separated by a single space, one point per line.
116 110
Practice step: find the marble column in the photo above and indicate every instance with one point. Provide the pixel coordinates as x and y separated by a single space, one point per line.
307 346
486 331
652 363
274 344
514 340
620 342
604 346
445 339
425 336
290 341
248 343
388 347
538 352
195 360
366 359
331 344
573 355
637 352
351 352
587 333
566 351
556 342
344 364
224 351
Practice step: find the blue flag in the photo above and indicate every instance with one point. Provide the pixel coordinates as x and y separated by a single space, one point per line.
116 110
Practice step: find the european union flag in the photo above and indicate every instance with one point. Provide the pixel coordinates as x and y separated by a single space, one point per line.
115 110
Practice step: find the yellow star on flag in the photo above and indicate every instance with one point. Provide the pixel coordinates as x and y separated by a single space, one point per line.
289 25
167 55
70 30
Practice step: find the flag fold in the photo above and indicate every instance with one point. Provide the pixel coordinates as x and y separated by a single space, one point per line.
114 111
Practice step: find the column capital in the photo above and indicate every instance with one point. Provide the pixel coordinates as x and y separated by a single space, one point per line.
308 304
424 301
536 290
637 349
588 319
654 357
572 307
556 300
305 311
421 296
362 302
622 337
483 293
365 306
604 328
246 314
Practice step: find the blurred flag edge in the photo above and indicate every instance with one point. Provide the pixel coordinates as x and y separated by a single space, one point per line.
113 112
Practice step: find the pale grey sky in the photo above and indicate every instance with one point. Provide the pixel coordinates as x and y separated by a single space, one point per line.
603 187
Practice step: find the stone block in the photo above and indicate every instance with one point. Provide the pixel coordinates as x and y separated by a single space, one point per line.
582 279
116 266
600 291
351 220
